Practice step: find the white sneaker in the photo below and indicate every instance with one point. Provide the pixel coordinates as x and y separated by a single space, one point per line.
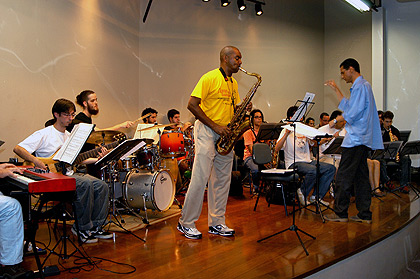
301 197
191 233
311 199
222 230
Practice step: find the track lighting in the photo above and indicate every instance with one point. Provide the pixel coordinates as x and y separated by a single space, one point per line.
241 5
364 5
224 3
258 9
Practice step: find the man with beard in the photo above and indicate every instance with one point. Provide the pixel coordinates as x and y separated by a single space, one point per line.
89 102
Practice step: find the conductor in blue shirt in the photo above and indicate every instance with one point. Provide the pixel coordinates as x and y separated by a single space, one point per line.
363 134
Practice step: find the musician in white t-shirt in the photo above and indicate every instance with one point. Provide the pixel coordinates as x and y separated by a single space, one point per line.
299 157
92 194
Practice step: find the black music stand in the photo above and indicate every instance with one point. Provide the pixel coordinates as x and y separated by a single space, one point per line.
410 148
268 131
317 202
389 152
300 113
125 149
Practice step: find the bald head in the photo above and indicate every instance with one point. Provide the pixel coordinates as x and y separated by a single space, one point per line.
230 60
226 51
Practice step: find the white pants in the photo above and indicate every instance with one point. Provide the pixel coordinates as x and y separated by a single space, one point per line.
212 168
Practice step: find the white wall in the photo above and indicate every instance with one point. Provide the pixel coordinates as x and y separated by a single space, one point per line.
402 41
55 49
347 34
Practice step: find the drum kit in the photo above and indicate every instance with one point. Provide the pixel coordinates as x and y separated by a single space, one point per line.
150 177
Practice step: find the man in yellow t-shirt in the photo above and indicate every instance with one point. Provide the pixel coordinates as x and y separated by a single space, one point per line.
212 102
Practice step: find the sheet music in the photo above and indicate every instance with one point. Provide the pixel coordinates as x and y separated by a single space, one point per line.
278 171
301 111
305 130
132 150
148 134
74 143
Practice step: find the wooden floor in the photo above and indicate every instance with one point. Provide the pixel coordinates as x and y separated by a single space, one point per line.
168 254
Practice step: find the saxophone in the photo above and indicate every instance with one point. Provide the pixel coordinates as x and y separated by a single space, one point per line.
391 137
237 125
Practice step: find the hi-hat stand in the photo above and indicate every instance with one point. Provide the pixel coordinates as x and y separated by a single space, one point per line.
120 152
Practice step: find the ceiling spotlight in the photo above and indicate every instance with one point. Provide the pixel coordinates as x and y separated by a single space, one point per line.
241 5
225 3
258 9
206 0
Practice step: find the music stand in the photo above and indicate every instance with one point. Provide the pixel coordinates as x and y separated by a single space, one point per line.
300 113
405 135
122 151
268 131
335 147
410 148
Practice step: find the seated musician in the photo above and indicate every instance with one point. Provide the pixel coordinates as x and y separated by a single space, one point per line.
175 117
336 128
11 232
304 164
91 204
310 122
250 136
88 100
391 133
152 119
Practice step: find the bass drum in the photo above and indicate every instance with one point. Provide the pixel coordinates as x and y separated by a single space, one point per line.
157 188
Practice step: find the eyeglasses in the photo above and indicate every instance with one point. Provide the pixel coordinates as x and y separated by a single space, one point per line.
258 117
68 114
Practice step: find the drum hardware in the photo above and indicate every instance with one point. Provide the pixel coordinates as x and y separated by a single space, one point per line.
109 161
172 144
149 190
105 137
115 212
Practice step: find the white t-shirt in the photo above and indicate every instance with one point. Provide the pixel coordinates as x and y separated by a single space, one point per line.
330 131
45 142
302 148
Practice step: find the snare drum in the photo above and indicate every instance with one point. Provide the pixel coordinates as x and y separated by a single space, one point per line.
127 164
147 157
172 144
157 188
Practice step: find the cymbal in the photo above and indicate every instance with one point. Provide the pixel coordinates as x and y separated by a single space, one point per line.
156 126
107 136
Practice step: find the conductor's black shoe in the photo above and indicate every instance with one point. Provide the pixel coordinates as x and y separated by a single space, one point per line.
360 220
222 230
